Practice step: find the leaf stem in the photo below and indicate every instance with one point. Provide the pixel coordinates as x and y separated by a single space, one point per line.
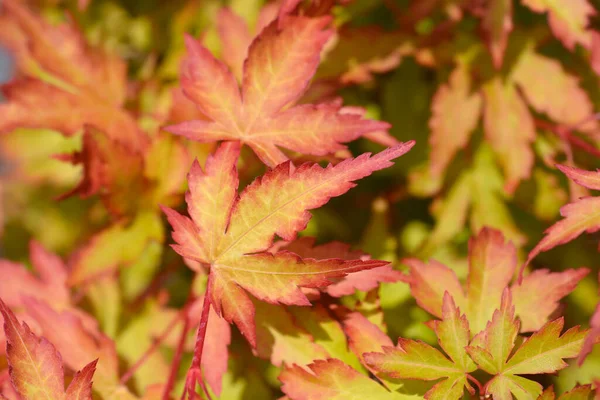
195 372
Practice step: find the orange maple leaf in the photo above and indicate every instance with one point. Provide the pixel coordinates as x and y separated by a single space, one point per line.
232 234
279 66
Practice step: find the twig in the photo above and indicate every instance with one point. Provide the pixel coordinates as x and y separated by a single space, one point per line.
129 373
195 372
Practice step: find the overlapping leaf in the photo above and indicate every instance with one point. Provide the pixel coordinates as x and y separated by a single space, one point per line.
417 360
36 367
580 216
492 265
542 353
231 234
280 63
59 66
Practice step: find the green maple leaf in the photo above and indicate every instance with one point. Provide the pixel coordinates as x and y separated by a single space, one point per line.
412 359
542 353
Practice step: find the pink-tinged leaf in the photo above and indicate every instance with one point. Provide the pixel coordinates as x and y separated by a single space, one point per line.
208 83
550 90
277 203
212 194
77 344
235 40
428 282
510 130
362 280
581 216
332 380
313 129
364 336
292 54
280 63
243 230
49 285
594 336
497 25
455 111
589 179
80 387
568 19
418 360
595 52
492 264
61 50
537 297
35 366
27 107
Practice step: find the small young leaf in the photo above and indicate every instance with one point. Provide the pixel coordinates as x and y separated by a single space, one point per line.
418 360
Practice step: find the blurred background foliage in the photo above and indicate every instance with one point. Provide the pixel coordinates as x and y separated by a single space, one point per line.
392 57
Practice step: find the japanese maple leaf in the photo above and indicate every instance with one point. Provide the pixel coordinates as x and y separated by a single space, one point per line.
580 216
281 61
36 368
362 280
542 353
331 379
492 265
568 19
412 359
232 234
56 65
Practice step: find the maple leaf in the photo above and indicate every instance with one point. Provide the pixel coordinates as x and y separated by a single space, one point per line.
280 63
77 344
71 72
129 181
541 79
581 216
412 359
542 353
568 19
36 367
231 234
361 280
450 128
492 265
333 380
509 137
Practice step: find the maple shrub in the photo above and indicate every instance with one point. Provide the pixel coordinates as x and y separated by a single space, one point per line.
299 199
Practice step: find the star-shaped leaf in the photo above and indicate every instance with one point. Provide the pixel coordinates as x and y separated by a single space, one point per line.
542 353
233 234
492 265
412 359
280 63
